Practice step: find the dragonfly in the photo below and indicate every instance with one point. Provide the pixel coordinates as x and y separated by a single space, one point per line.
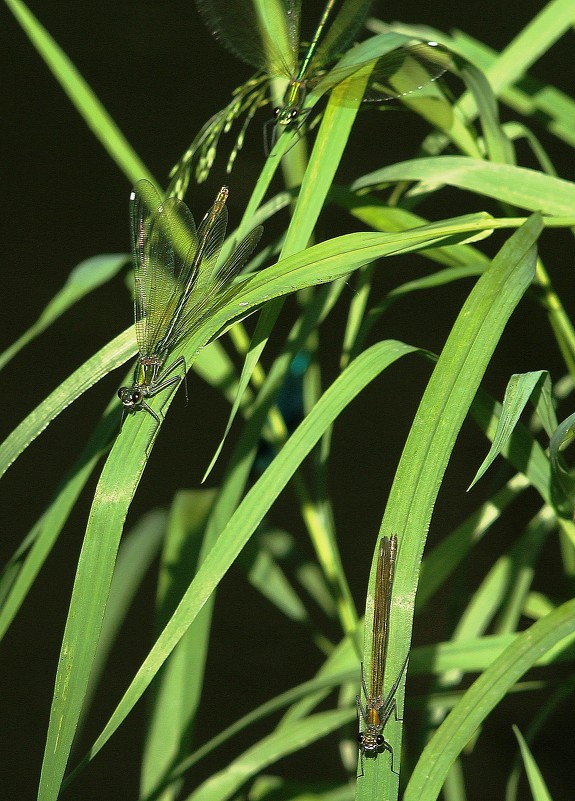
178 285
246 28
378 709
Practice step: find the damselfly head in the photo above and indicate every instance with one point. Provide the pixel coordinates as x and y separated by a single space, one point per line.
370 743
131 397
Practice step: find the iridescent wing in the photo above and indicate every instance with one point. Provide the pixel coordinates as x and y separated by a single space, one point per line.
251 30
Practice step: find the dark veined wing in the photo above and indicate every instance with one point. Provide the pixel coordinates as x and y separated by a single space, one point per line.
394 75
216 292
249 29
164 242
381 612
341 32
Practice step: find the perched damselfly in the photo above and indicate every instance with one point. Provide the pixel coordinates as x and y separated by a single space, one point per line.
378 709
178 284
251 31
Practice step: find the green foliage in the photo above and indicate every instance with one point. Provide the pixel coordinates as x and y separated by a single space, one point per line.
490 255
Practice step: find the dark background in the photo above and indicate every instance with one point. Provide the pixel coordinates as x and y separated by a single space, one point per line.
161 75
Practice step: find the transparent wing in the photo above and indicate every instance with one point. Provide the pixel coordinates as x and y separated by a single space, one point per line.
152 263
341 32
394 75
251 31
406 70
164 242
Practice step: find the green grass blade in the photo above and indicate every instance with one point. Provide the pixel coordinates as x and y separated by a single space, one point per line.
537 784
139 548
81 95
553 109
523 451
518 186
290 697
557 110
452 736
478 653
382 217
498 147
561 696
522 564
564 476
533 41
501 580
116 353
517 394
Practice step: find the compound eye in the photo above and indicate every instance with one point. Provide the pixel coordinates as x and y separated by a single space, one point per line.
130 396
276 112
360 738
380 740
293 114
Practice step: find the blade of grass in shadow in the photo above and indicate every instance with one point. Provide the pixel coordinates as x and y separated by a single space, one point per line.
498 148
441 413
316 685
534 40
272 748
560 697
525 454
177 689
380 216
81 95
444 559
21 571
536 781
87 276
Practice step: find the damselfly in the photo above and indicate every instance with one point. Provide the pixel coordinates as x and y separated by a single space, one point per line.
178 284
252 30
378 709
